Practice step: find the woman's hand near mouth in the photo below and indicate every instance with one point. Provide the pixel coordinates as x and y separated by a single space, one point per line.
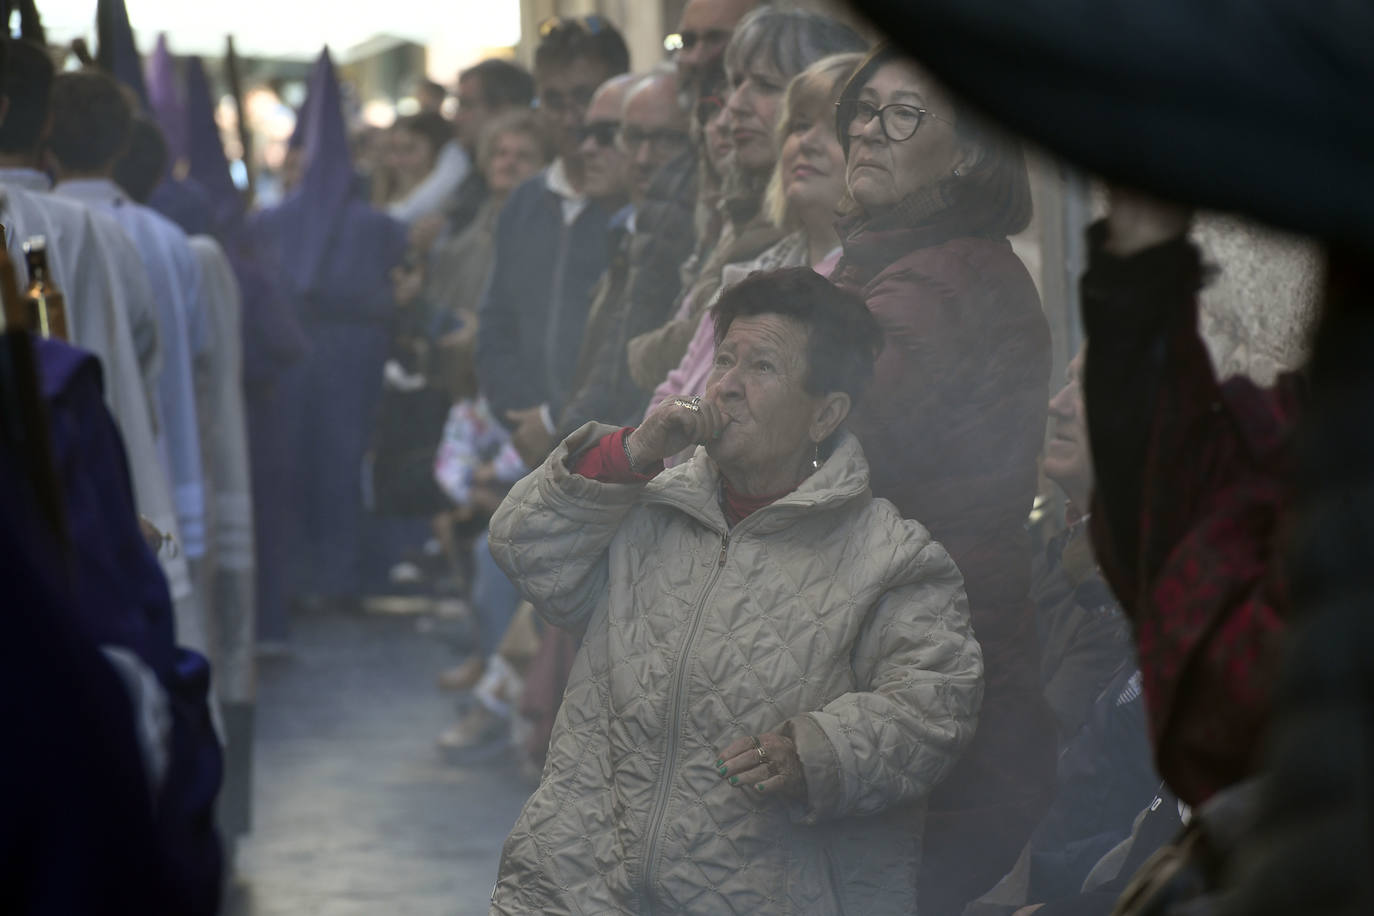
673 426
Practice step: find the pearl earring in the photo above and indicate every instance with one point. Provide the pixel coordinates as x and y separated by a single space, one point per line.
958 174
816 458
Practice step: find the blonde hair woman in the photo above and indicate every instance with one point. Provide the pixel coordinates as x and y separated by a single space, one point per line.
804 196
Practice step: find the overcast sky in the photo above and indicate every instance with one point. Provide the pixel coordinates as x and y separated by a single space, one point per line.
297 28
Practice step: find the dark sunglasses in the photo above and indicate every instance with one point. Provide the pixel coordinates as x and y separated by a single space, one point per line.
603 132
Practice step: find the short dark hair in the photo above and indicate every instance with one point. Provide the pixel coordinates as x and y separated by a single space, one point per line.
144 162
995 193
843 339
28 80
432 127
564 40
91 120
504 84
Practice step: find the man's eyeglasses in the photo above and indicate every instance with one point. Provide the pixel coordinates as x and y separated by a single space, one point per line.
708 107
662 141
603 132
556 100
686 41
589 25
899 122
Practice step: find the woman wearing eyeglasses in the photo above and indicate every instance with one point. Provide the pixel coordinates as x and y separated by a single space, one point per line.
956 422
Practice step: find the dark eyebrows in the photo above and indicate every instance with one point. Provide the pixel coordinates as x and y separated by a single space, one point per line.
909 94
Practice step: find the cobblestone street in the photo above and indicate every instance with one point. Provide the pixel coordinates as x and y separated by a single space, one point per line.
355 810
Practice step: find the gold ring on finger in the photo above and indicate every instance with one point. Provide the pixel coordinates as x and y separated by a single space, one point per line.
687 405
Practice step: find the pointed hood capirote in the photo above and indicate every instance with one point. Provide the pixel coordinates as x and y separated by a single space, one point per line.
328 181
117 54
336 251
165 101
206 161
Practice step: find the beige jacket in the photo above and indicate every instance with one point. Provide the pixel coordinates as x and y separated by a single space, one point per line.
824 614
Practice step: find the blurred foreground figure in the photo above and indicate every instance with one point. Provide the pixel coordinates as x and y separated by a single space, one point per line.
111 311
136 832
1302 466
776 668
1191 547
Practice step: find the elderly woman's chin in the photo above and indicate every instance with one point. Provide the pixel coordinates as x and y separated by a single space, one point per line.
871 187
726 449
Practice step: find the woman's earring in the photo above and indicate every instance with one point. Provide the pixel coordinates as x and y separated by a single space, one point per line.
816 458
958 174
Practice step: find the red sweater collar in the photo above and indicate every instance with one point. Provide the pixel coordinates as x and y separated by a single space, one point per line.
738 507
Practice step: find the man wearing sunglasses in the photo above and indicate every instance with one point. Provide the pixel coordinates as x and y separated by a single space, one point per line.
551 243
652 131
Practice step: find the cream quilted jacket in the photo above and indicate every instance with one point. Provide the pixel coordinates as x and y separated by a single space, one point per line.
824 613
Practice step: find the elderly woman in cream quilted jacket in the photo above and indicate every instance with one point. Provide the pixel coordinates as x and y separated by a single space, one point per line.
776 668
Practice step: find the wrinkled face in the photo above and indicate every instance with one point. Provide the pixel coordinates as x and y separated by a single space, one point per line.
1068 456
652 131
515 157
755 105
565 91
706 27
473 112
605 171
757 382
412 157
812 162
883 172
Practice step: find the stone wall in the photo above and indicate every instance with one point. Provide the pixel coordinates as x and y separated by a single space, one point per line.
1258 309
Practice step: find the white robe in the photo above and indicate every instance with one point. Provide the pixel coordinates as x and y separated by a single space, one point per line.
224 446
175 280
90 260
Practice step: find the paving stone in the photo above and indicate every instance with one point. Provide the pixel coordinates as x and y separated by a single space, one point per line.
355 810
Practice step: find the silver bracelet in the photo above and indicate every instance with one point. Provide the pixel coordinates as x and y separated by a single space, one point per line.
630 459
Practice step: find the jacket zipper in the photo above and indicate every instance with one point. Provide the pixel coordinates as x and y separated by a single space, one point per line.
675 705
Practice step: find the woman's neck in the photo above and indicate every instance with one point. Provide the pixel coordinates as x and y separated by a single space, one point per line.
821 237
772 482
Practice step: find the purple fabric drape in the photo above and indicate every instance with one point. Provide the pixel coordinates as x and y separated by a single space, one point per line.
166 102
208 165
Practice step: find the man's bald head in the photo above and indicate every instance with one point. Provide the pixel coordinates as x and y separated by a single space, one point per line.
604 171
654 128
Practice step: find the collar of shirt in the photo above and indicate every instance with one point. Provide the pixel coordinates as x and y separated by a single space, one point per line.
556 180
28 179
93 191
